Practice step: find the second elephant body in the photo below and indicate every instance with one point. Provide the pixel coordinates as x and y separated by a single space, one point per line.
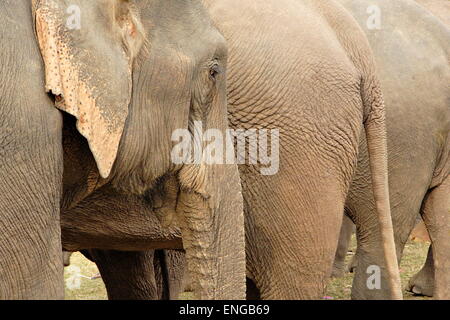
413 64
418 150
319 89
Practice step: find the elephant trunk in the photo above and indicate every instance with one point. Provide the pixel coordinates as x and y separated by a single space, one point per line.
212 227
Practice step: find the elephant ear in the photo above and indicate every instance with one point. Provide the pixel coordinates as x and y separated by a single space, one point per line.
88 49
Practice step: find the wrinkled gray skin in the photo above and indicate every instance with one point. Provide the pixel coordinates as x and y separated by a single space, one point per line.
412 50
119 233
324 112
48 168
141 275
305 68
31 165
421 283
339 266
310 228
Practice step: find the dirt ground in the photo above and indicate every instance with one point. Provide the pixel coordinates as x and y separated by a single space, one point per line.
85 288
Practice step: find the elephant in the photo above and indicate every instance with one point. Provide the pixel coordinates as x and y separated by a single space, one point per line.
137 257
305 68
352 85
423 282
140 275
66 258
107 82
412 51
339 266
274 82
146 72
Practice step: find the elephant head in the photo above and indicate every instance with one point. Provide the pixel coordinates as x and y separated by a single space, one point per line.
133 73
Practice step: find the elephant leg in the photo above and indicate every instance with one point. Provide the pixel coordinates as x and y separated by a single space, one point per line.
290 254
352 265
172 264
66 258
423 282
371 279
140 275
127 275
436 215
31 265
31 166
252 290
345 236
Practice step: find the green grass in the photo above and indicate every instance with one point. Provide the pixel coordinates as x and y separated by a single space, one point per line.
338 289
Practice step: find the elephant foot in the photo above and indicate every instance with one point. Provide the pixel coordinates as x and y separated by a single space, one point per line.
66 258
252 290
338 271
421 285
423 282
352 265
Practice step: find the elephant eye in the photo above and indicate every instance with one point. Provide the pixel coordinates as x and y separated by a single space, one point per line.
214 70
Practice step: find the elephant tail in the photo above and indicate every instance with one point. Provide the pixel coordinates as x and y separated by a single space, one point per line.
375 129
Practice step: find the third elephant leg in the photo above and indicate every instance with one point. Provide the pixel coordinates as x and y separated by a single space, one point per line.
140 275
290 244
436 215
370 281
347 229
423 282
